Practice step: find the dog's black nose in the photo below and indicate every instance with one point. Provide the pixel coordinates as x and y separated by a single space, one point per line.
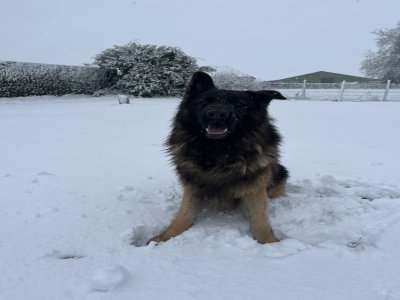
218 113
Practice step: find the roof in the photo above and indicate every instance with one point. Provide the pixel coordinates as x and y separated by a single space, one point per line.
324 77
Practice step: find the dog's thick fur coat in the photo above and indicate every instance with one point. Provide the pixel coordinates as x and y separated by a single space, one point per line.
225 151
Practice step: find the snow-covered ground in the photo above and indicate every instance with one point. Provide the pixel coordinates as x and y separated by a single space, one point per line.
80 177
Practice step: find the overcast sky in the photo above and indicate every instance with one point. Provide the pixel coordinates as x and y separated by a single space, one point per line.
266 39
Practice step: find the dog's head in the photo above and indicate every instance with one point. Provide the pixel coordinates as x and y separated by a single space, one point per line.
218 113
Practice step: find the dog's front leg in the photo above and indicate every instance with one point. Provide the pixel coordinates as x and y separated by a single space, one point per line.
189 209
255 207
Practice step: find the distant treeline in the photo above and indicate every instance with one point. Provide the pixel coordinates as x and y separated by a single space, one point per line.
19 79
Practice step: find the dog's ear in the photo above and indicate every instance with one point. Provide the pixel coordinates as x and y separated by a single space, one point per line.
267 95
199 83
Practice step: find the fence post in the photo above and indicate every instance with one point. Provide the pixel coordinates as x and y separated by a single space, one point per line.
342 91
386 91
303 92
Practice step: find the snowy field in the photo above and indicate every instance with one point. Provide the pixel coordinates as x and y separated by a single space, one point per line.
81 177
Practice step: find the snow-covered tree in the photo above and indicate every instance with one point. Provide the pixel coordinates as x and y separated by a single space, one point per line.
148 70
384 63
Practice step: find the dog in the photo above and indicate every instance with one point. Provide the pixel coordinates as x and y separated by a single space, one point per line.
225 151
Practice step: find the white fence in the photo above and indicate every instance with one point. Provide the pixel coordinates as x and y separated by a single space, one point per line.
337 91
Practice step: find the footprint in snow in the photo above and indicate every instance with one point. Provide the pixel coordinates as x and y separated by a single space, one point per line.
70 256
44 173
65 255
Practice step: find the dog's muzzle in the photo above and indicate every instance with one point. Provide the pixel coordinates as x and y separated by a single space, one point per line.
218 120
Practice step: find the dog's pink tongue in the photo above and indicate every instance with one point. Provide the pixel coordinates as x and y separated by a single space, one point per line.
215 130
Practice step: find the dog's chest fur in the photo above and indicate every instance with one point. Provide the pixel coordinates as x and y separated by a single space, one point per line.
212 166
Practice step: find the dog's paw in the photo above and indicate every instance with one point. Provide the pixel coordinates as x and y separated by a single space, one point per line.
265 237
158 239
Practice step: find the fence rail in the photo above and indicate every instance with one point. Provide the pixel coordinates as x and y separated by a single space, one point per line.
348 85
344 91
340 91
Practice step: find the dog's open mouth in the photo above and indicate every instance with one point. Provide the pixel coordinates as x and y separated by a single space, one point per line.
213 131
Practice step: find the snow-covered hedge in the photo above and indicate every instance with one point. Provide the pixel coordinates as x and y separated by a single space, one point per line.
148 70
27 79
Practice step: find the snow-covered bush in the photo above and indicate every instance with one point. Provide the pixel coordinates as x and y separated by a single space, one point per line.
233 81
148 70
27 79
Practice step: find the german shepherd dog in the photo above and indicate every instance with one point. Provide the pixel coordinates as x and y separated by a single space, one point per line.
225 151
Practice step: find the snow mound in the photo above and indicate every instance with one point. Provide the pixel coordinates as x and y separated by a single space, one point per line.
108 279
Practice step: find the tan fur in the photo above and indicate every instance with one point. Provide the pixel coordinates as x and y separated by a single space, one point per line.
276 191
187 213
254 203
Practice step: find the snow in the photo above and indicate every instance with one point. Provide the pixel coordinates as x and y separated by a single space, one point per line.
108 279
82 179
